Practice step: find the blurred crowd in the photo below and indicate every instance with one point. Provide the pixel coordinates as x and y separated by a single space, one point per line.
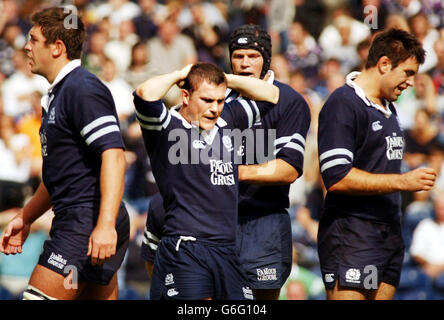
316 43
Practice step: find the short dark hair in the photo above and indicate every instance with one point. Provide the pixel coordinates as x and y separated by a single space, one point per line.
398 45
201 72
52 24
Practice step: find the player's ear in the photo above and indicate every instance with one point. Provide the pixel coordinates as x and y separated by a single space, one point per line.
58 48
384 64
185 97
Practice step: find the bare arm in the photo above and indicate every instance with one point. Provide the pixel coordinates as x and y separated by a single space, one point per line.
103 239
274 172
359 182
157 87
37 206
149 268
432 270
252 88
17 230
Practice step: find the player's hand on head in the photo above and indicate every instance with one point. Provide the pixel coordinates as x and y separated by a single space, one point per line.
102 244
185 70
420 179
14 236
183 73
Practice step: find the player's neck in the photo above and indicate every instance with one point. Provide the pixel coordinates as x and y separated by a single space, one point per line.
57 66
183 111
368 81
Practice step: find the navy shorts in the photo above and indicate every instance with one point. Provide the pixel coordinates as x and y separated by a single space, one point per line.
197 270
359 253
265 249
68 245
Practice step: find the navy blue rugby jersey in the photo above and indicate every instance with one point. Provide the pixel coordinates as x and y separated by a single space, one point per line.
153 229
290 120
195 170
78 125
354 132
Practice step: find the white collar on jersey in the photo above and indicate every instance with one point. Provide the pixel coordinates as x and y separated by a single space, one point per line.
70 66
361 94
207 135
269 80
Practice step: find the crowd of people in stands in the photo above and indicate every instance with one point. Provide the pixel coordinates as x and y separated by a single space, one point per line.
316 44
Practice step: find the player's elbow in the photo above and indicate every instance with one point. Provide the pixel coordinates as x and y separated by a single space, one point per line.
291 177
275 95
337 187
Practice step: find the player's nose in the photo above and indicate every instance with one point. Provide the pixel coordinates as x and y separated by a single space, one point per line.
27 47
245 62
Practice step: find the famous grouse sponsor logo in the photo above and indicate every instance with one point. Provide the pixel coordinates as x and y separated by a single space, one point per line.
266 274
395 145
57 260
221 173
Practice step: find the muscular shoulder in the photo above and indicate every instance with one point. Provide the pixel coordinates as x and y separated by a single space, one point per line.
81 81
342 102
82 89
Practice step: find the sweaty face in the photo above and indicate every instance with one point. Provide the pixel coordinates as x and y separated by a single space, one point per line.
205 104
38 52
398 79
247 62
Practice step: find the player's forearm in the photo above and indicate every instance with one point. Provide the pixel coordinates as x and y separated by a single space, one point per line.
359 182
420 260
156 88
37 206
112 179
274 172
149 268
253 88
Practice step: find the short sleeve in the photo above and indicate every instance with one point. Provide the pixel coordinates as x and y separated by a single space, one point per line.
153 228
95 117
336 139
154 118
291 131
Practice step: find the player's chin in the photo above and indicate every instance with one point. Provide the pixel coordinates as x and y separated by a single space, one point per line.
207 123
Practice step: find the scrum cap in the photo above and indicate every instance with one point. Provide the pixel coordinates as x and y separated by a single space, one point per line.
251 36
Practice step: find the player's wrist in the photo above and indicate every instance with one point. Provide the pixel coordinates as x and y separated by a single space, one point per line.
106 223
25 216
401 182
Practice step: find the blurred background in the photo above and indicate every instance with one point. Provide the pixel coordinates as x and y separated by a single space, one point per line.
316 43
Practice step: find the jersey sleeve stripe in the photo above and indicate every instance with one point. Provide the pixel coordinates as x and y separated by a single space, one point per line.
102 132
150 236
152 119
335 152
248 111
149 244
156 127
96 123
333 163
291 145
287 139
256 109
